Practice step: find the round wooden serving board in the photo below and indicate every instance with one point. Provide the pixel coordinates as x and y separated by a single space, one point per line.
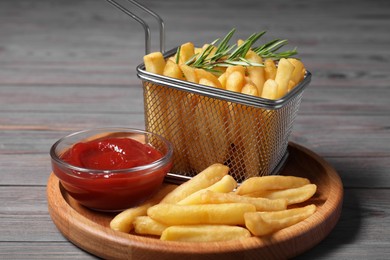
90 230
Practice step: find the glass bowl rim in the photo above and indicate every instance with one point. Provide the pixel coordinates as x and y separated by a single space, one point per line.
155 164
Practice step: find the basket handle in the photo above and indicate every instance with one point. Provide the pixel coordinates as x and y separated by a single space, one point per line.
143 23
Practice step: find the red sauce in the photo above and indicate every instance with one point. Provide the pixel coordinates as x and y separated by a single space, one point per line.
111 154
111 191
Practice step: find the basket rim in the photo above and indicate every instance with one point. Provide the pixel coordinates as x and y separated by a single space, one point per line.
221 94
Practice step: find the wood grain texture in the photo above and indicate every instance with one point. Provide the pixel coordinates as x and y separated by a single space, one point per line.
90 230
69 65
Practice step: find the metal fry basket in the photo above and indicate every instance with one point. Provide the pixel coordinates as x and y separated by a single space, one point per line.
208 125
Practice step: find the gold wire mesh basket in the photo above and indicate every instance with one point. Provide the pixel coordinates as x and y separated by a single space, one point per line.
208 125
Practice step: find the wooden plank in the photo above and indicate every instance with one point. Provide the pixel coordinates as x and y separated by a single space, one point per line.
326 100
356 172
105 46
24 217
42 250
77 99
326 135
68 121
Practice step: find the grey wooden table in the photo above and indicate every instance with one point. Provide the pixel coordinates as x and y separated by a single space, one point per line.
68 65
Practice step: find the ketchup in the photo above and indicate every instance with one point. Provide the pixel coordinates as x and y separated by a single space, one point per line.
111 191
111 154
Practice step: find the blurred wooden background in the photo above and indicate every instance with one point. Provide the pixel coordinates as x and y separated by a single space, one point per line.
67 65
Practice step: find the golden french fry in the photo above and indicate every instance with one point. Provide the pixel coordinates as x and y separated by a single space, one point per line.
299 70
211 132
204 233
270 89
269 69
189 73
283 76
154 62
221 214
250 89
271 182
207 82
249 141
198 50
200 73
187 51
204 179
256 74
261 204
291 85
175 130
292 196
124 221
145 225
204 135
222 79
264 223
173 70
235 81
226 184
155 96
231 69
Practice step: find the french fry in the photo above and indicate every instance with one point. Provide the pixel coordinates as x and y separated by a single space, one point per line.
235 81
187 51
204 233
231 69
221 214
271 182
226 184
283 76
154 62
249 141
204 179
198 50
200 73
261 204
190 133
145 225
269 69
207 82
291 85
256 74
270 89
222 79
265 223
189 73
250 89
175 130
299 70
124 221
173 70
211 133
292 196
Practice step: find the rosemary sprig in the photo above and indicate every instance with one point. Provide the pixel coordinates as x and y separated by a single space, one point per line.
226 55
269 49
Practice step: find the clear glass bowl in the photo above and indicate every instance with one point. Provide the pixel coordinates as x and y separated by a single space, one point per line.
111 189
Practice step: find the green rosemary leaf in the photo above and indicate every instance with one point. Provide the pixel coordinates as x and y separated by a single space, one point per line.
226 55
178 54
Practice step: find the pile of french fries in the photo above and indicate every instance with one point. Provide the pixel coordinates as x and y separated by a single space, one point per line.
210 207
205 131
272 81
